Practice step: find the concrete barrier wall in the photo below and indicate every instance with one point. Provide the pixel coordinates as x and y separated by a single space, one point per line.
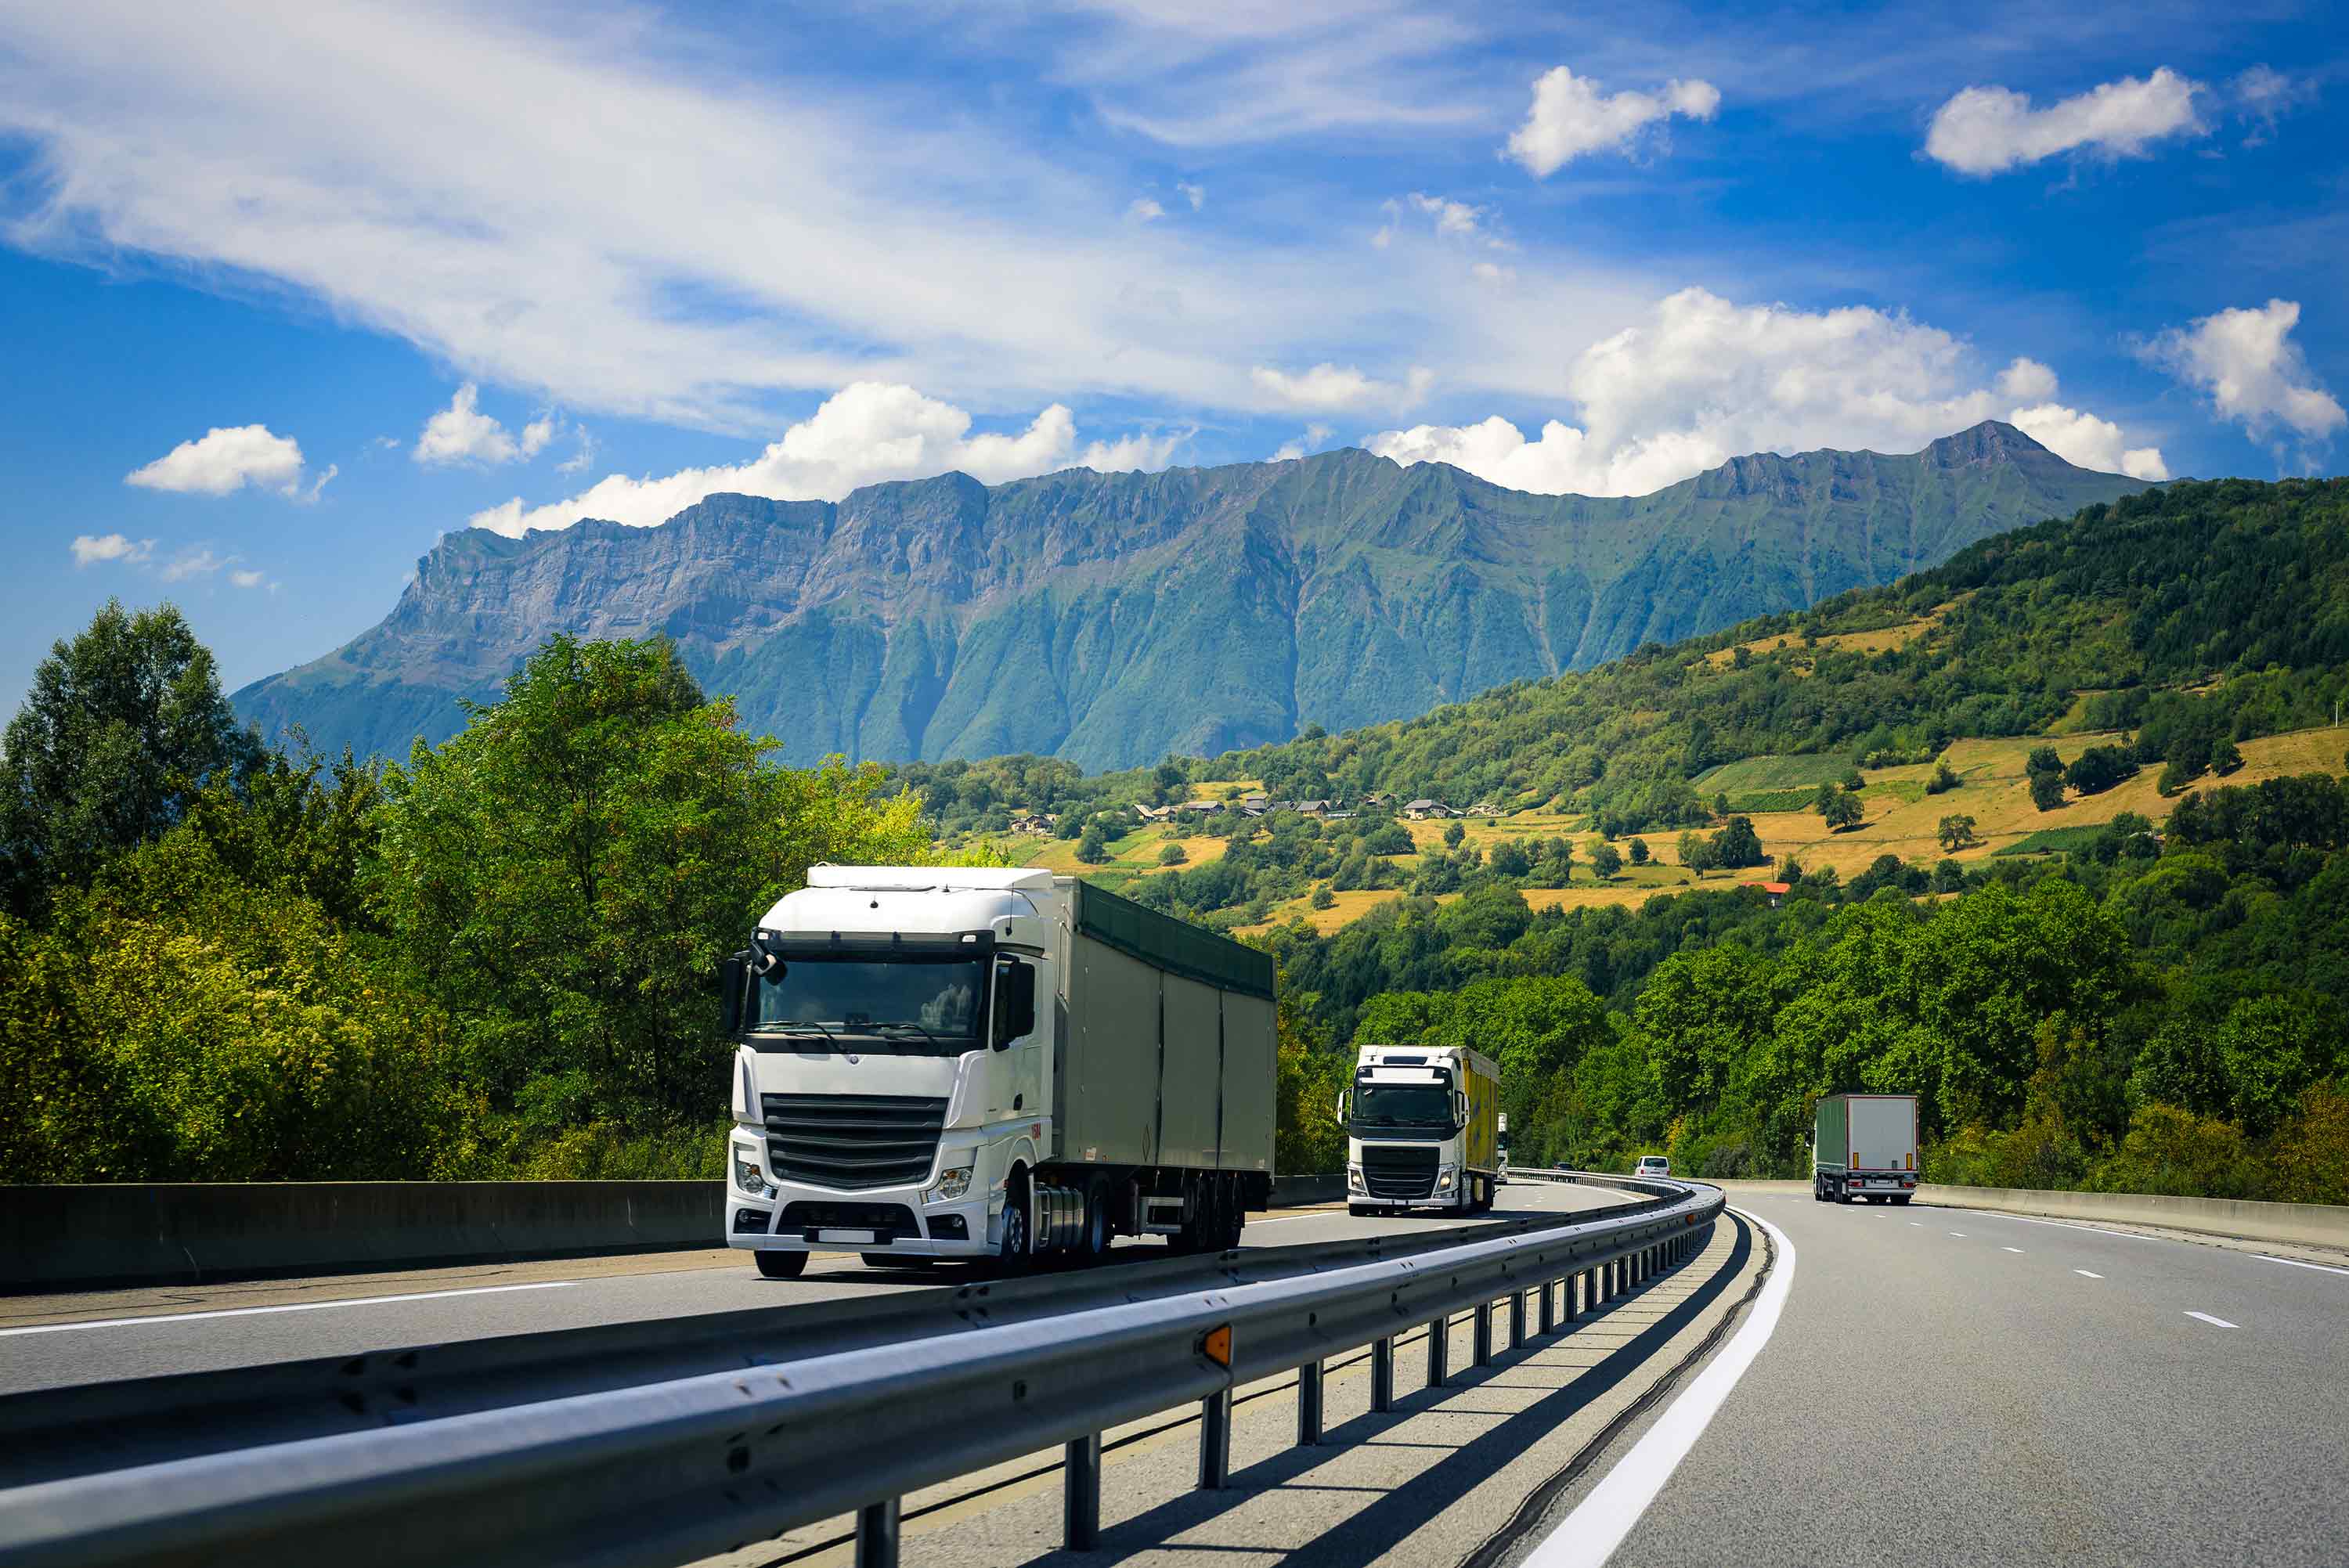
176 1232
190 1231
2305 1225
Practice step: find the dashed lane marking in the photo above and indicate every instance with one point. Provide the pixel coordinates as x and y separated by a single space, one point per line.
2088 1274
2213 1322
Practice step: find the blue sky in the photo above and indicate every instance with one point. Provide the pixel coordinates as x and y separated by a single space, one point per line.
286 295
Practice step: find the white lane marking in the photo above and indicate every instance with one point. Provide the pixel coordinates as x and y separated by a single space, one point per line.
2010 1249
2321 1268
1958 1233
290 1306
2213 1322
2089 1276
2099 1230
1919 1224
1589 1535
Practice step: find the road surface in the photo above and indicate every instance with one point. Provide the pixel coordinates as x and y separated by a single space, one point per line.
49 1341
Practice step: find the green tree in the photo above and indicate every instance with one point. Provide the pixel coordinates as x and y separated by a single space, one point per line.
1843 811
1957 832
564 875
1824 800
1944 780
123 726
2269 1050
1697 852
1737 845
1322 897
1173 855
1639 851
1606 860
1455 835
1093 845
2047 790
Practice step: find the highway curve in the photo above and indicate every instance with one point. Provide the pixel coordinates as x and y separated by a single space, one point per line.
1952 1386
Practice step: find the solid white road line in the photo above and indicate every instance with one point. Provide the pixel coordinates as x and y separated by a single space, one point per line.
1589 1535
2298 1264
2213 1322
2068 1225
2010 1249
290 1306
2087 1273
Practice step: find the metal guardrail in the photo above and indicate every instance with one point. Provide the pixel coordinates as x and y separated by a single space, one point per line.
668 1471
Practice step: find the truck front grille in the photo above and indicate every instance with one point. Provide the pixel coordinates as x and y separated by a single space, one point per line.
1392 1172
853 1141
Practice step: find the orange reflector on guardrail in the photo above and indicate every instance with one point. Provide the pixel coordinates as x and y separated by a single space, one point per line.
1216 1344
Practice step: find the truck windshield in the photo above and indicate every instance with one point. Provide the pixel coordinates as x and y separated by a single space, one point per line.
913 1005
1402 1105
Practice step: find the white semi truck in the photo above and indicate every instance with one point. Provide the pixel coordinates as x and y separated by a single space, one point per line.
1422 1129
991 1064
1865 1146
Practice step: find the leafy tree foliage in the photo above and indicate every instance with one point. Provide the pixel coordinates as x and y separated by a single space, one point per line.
124 725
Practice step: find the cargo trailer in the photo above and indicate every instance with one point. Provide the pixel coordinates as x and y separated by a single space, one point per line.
1865 1146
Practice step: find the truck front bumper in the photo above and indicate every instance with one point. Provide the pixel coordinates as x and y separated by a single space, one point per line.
891 1220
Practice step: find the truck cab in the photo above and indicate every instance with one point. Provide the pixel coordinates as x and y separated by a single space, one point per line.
1422 1130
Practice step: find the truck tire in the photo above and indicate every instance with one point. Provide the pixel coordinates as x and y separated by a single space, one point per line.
1902 1201
782 1266
1097 1232
1017 1245
1359 1210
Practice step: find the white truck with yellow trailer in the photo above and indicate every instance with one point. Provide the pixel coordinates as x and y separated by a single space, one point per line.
989 1063
1422 1129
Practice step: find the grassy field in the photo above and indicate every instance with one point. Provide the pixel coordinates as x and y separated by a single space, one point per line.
1875 642
1755 775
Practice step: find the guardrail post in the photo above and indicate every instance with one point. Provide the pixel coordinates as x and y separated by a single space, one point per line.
1550 1304
1516 1318
1439 1351
1216 1440
876 1534
1308 1404
1080 1493
1483 1333
1382 1374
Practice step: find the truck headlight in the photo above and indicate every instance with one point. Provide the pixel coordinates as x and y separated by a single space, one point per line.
1354 1180
749 1177
1443 1180
952 1184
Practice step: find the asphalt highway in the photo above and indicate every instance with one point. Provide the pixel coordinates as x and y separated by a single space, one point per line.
54 1341
1952 1386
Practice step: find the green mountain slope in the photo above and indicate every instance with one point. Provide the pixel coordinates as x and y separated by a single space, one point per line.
1109 619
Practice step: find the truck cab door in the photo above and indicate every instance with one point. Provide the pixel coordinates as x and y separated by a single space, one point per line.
1014 1076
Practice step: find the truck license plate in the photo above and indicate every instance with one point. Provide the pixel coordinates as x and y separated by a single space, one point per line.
847 1238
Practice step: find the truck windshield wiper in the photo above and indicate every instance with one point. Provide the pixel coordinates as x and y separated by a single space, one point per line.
916 1028
800 1026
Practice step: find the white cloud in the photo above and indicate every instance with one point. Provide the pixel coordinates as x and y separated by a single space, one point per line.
2246 361
863 434
1983 130
1315 435
197 562
583 452
1327 385
1703 380
461 433
247 579
538 433
1145 210
1195 194
1570 116
223 460
2092 443
1451 217
1493 272
90 549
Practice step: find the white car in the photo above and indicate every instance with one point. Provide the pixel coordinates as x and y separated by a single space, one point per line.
1653 1165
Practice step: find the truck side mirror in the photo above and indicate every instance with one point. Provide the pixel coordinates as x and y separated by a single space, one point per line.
1345 1103
1015 1013
733 979
1459 1109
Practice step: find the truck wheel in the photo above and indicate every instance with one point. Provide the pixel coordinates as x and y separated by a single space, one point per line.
1902 1201
1846 1195
782 1266
1095 1244
1358 1210
1236 1214
1017 1246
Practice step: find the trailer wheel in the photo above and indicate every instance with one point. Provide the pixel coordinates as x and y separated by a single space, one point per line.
782 1266
1235 1214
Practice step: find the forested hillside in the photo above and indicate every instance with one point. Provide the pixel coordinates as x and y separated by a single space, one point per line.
222 962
